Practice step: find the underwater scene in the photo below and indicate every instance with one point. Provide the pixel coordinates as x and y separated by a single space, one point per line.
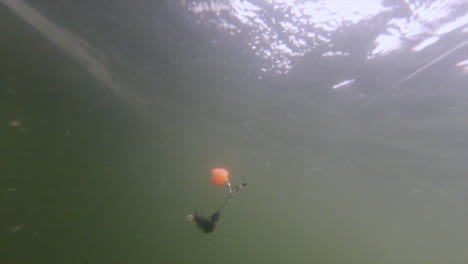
234 131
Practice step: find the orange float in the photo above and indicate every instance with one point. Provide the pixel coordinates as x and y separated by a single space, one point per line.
219 176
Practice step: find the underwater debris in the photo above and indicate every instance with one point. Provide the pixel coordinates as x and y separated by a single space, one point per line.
15 123
17 228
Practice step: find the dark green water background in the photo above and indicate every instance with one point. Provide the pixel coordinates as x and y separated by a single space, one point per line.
88 178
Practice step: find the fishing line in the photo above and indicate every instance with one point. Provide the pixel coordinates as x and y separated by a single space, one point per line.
412 75
232 191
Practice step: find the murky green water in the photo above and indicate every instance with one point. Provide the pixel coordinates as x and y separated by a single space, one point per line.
88 176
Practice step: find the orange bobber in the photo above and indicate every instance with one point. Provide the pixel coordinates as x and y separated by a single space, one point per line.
219 176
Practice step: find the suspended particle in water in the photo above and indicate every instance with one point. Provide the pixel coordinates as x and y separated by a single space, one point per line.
16 228
15 123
